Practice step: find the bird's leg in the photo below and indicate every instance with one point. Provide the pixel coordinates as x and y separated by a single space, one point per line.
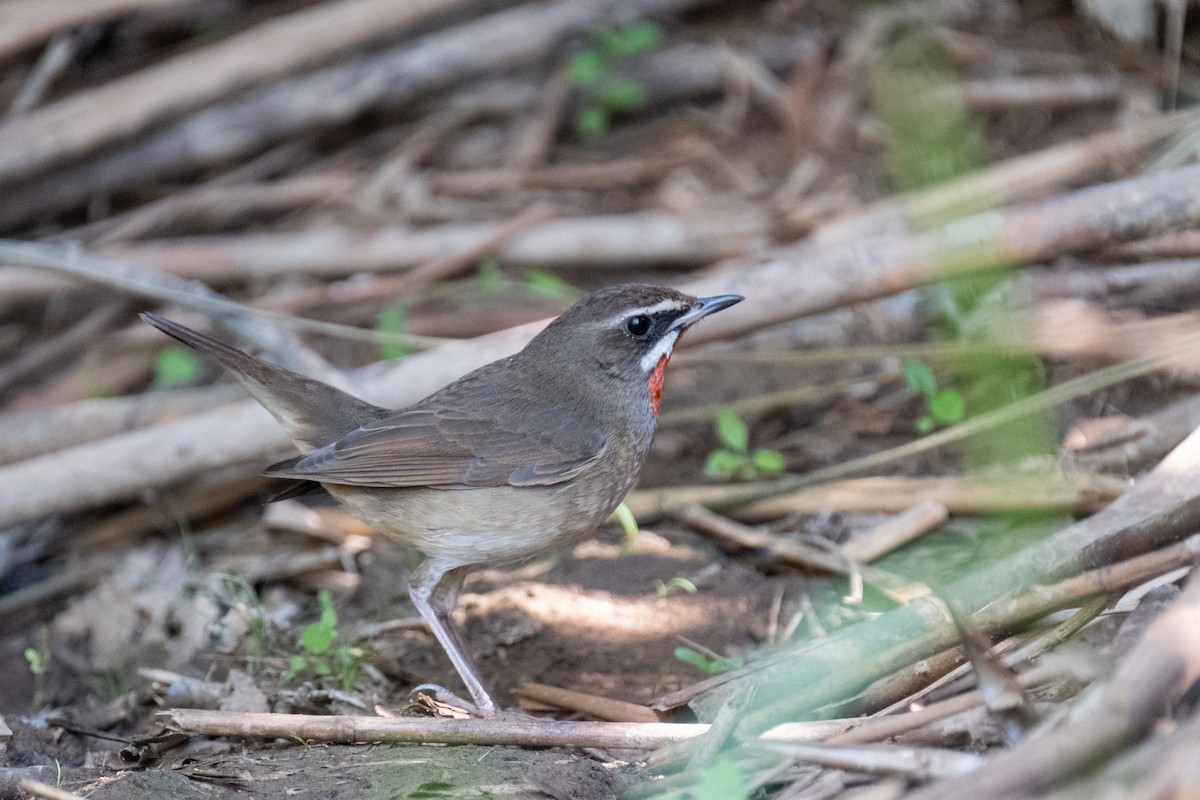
434 591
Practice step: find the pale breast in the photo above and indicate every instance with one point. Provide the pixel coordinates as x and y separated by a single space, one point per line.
478 526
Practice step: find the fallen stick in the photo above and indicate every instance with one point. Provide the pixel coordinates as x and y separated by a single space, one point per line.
605 708
644 238
521 733
963 495
217 206
1058 91
808 278
26 434
899 530
355 730
91 119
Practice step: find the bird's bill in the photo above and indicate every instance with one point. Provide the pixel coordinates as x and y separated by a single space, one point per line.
703 307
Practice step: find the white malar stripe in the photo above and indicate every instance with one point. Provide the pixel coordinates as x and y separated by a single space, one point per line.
661 348
661 305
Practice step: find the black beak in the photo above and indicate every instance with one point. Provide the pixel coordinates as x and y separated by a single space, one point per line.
703 307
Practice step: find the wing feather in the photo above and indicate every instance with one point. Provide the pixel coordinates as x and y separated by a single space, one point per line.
449 448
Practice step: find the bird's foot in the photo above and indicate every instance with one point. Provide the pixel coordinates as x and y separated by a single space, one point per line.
445 703
442 702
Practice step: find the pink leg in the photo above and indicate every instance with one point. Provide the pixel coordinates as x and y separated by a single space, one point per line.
434 591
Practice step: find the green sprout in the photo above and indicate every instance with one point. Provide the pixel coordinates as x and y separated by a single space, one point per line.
391 320
734 458
324 653
944 406
38 659
708 662
592 72
176 366
682 584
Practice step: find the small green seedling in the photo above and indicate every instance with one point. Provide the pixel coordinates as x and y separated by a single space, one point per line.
540 283
38 659
604 93
945 406
176 366
628 523
324 655
734 459
682 584
391 320
709 663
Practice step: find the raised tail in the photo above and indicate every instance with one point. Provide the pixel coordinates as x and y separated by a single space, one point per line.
313 413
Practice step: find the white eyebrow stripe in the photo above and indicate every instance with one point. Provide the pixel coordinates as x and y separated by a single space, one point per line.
661 305
661 348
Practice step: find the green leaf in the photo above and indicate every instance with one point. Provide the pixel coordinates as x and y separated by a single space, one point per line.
947 406
37 664
295 667
391 320
328 614
732 431
317 638
689 656
769 462
547 284
919 377
722 463
591 123
586 68
321 668
621 94
925 425
722 780
176 366
640 37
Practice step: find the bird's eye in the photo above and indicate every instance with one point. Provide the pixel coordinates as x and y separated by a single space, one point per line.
638 325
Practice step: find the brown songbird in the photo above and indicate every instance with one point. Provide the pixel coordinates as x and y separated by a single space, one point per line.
524 454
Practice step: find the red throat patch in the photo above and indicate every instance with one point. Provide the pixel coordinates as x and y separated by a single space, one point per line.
656 383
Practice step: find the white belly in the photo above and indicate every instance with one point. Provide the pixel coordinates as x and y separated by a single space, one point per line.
461 527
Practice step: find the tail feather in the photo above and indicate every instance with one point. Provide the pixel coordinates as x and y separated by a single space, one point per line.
313 413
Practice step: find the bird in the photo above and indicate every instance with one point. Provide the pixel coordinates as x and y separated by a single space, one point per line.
523 455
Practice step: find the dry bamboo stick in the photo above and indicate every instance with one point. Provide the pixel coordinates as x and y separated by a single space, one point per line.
36 432
1056 91
963 495
899 530
605 708
89 120
842 273
520 732
351 730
